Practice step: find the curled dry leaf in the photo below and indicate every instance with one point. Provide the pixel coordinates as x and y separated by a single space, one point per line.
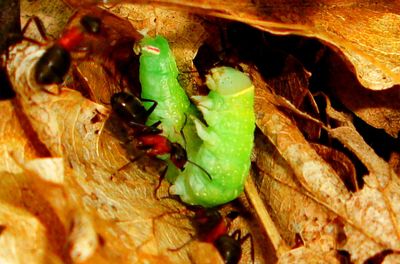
200 249
53 14
378 108
25 239
340 163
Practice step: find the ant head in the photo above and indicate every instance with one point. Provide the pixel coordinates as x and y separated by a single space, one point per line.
91 24
178 155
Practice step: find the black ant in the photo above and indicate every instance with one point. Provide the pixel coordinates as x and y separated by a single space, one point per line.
56 61
131 110
212 227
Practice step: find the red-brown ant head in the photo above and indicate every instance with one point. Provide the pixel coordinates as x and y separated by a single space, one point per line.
178 155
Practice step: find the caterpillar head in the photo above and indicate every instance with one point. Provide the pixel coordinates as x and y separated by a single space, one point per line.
228 81
156 55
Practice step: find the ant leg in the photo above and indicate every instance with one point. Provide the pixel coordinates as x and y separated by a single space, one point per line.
237 235
58 92
181 131
147 130
177 212
201 168
126 165
40 27
162 177
153 129
151 109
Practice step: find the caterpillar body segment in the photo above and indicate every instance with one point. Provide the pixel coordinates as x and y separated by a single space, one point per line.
227 141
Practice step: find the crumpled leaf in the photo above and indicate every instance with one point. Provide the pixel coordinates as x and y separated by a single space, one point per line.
53 14
377 108
25 239
311 179
365 32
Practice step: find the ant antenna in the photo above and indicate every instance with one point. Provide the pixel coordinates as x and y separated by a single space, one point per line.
201 168
181 131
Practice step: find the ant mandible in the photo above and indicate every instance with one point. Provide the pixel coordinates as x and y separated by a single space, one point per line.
56 61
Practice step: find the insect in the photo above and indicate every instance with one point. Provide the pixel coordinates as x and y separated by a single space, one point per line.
55 62
111 49
11 32
158 77
212 227
227 141
132 111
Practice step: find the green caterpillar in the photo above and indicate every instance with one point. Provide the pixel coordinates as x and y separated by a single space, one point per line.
226 142
158 76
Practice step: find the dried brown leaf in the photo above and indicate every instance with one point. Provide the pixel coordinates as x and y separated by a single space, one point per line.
340 163
304 255
24 237
364 31
70 126
378 108
355 210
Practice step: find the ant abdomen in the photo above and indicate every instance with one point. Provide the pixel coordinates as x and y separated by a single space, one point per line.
53 65
129 108
229 248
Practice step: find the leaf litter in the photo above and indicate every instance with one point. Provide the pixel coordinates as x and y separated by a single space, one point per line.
64 184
